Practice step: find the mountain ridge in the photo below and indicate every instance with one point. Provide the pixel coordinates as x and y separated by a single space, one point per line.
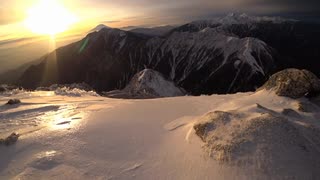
223 58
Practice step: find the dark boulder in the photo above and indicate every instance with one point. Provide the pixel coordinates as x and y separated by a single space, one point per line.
13 102
13 138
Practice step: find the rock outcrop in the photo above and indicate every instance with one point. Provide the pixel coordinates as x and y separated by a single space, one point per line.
293 83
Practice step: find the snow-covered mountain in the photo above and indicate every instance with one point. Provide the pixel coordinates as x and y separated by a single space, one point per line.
230 54
98 28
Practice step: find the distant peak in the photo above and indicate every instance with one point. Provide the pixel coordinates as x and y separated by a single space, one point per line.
99 27
240 18
243 18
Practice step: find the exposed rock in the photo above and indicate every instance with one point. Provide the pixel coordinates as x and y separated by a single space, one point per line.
13 102
291 113
13 138
293 83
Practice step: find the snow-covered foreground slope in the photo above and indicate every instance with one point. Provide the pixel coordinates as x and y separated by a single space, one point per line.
91 137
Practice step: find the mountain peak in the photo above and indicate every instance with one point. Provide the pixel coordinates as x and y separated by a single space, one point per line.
99 27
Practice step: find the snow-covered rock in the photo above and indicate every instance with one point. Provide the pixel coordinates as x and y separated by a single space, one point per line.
65 91
148 84
81 86
257 134
293 83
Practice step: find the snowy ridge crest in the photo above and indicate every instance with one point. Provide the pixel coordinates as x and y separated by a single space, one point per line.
243 18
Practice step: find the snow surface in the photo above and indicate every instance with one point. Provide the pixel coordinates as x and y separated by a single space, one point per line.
92 137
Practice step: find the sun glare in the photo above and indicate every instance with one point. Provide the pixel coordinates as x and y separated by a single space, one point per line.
49 17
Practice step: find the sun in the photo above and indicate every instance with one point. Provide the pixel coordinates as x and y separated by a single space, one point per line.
49 17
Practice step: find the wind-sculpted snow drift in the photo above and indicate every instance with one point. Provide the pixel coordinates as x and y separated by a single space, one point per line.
235 53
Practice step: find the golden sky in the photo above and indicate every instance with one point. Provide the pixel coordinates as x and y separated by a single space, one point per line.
121 13
88 13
